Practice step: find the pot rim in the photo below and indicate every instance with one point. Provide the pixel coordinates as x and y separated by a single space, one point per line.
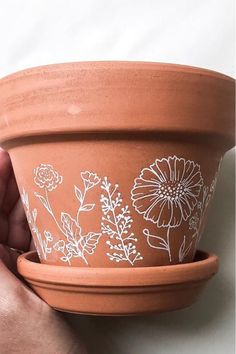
125 64
117 96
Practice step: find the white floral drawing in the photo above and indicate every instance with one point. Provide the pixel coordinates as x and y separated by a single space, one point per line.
184 249
196 221
159 242
165 194
74 244
44 240
90 179
60 246
46 177
116 224
194 224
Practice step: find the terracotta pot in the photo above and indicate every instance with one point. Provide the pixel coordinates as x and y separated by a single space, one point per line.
116 162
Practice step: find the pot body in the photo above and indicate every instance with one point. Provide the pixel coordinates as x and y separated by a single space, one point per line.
116 177
115 200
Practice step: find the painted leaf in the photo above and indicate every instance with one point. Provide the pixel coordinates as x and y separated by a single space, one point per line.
89 242
187 250
208 199
69 225
205 193
25 199
48 235
78 194
183 252
73 249
87 207
155 241
69 255
43 201
34 213
29 217
34 229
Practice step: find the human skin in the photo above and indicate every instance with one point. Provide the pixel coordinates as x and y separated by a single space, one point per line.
27 324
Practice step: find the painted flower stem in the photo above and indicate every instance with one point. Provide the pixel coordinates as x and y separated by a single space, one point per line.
116 224
81 205
43 250
168 243
69 262
52 214
75 243
162 243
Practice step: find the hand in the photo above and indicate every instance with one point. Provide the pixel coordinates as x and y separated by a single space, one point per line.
27 324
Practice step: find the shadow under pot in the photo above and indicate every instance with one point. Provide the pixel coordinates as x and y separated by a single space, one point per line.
116 162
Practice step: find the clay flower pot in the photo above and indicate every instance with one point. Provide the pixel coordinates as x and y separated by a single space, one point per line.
116 162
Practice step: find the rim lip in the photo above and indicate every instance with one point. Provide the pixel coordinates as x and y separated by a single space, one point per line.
115 64
199 270
40 75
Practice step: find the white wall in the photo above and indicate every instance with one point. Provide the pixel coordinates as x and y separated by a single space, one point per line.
200 33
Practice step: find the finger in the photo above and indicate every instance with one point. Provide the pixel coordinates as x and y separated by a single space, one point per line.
10 284
11 194
19 235
5 171
3 227
9 258
32 246
8 267
8 280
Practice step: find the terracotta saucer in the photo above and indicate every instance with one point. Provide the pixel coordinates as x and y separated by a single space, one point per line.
118 291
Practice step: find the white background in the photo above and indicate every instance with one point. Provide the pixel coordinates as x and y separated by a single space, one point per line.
199 33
